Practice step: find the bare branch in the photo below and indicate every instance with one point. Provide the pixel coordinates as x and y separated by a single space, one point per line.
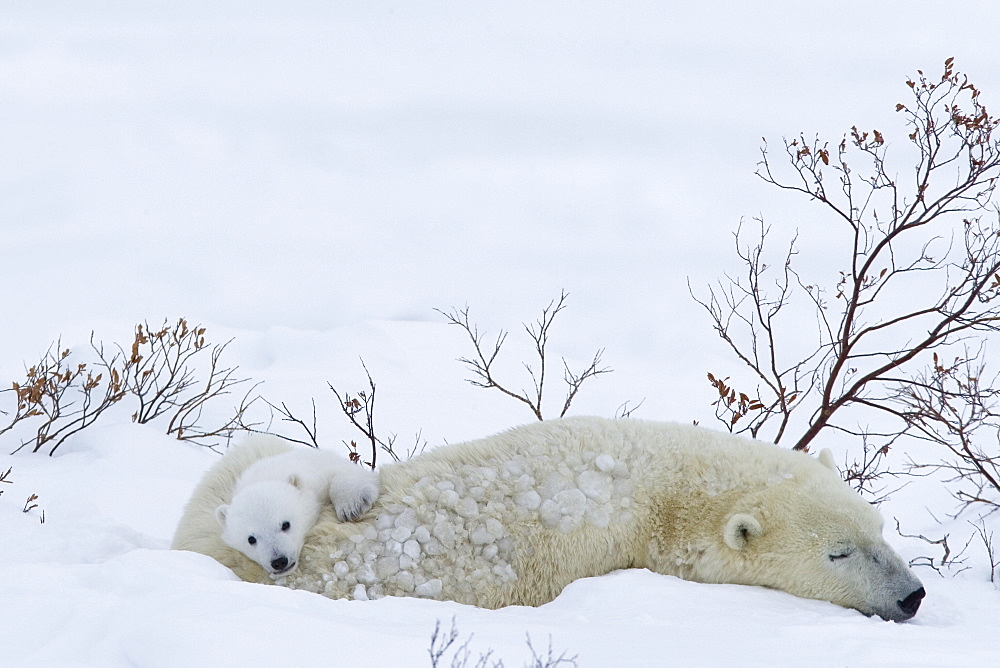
748 318
481 363
946 561
574 381
363 405
625 411
287 416
66 397
935 240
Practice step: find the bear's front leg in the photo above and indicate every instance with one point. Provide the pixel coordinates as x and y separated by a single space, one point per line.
353 492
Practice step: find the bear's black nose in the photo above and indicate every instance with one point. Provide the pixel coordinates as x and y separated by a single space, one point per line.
281 563
910 604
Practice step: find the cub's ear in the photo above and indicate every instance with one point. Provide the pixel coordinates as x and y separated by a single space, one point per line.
826 459
220 515
740 530
294 481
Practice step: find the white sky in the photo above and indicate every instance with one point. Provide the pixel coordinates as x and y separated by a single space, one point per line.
314 165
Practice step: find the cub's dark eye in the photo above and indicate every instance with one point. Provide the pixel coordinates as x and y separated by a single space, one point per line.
285 526
839 555
252 540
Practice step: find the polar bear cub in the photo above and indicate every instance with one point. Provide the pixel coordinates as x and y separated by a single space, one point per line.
277 500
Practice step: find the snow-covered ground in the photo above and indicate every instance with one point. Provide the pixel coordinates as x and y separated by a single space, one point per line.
313 179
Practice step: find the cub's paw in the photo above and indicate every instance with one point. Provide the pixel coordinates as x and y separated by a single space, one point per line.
353 498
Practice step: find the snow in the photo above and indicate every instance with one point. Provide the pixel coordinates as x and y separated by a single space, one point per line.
312 180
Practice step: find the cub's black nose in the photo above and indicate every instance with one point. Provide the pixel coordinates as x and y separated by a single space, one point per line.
910 604
281 563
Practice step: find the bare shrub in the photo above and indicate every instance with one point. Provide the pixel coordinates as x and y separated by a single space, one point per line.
625 410
360 410
868 474
189 426
359 407
4 477
920 276
481 364
162 371
548 659
30 504
953 406
443 643
947 562
285 414
172 372
987 539
65 397
23 410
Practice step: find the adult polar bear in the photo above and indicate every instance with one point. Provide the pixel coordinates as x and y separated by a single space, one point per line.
513 518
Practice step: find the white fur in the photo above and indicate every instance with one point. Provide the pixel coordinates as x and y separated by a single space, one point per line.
512 518
277 500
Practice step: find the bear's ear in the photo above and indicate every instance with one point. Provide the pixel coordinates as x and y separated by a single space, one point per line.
826 459
740 530
294 481
220 515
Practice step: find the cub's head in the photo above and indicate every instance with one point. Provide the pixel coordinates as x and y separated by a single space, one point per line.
268 522
811 535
